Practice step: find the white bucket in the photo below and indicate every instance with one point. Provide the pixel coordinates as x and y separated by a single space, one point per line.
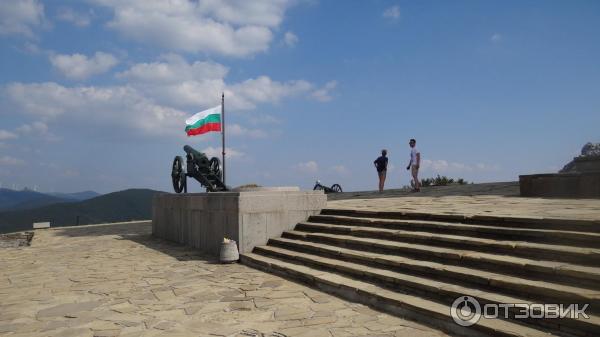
229 252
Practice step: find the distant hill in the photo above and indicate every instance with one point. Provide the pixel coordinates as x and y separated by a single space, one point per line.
11 200
79 196
133 204
14 200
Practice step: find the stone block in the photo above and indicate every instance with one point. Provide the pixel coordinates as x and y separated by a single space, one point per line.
37 225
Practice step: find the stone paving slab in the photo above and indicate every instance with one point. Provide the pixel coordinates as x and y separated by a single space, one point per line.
492 199
116 280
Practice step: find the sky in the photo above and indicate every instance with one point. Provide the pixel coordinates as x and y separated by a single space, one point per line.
94 94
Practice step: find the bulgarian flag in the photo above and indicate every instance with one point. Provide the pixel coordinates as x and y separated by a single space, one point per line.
204 121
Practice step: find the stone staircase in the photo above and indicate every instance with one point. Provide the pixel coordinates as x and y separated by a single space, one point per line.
415 265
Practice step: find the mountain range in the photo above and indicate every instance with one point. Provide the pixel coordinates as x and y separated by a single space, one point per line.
132 204
25 199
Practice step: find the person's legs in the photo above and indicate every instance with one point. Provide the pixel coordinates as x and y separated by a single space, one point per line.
381 180
415 175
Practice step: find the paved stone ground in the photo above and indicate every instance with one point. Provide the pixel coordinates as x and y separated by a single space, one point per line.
498 199
116 280
15 239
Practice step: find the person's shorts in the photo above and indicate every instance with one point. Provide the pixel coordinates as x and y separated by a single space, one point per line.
382 172
414 169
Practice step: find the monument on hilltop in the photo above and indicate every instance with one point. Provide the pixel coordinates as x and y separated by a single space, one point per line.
588 161
580 178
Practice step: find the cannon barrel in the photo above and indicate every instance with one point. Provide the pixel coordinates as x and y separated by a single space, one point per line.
196 154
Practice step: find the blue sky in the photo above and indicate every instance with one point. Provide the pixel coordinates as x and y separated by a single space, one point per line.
95 93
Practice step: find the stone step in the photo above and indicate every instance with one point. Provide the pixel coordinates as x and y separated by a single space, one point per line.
572 238
412 307
492 262
577 255
588 226
441 292
470 277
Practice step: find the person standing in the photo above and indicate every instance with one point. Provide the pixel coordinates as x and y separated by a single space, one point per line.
381 166
413 166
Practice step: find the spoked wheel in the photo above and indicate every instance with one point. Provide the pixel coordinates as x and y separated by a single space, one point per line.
318 187
178 175
336 188
214 166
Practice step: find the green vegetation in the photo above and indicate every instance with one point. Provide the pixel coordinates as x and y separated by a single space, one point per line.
248 186
442 181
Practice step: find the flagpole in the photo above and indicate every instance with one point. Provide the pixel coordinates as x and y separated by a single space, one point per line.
223 132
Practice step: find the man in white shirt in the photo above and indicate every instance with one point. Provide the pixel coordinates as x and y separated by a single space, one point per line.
415 162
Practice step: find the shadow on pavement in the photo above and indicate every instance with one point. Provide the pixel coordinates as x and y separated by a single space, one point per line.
140 233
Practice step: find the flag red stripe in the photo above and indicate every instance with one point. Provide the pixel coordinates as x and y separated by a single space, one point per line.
208 127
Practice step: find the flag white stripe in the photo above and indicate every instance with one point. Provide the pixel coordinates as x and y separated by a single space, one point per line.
203 114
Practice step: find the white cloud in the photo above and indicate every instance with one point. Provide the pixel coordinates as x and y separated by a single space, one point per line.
174 81
79 67
392 13
6 135
8 160
228 27
155 97
238 130
323 94
20 17
496 37
99 106
70 173
290 39
37 129
443 166
307 167
247 94
340 170
30 48
135 106
486 167
174 69
265 119
216 152
79 19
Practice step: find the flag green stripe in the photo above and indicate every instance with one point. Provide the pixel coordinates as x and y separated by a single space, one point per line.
214 118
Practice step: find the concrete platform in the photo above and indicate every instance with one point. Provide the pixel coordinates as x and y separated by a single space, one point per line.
490 199
250 217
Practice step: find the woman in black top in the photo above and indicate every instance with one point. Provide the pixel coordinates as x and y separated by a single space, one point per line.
381 166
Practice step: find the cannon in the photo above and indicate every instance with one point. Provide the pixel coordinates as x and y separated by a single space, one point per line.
206 171
335 188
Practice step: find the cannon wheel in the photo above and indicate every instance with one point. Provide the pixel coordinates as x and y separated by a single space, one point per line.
215 166
318 187
336 188
177 175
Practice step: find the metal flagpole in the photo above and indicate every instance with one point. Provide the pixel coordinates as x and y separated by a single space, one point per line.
223 133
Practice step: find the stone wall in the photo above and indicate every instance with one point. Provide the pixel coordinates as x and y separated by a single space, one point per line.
202 220
561 185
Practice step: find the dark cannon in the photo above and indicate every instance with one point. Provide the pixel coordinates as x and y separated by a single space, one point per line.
206 171
335 188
